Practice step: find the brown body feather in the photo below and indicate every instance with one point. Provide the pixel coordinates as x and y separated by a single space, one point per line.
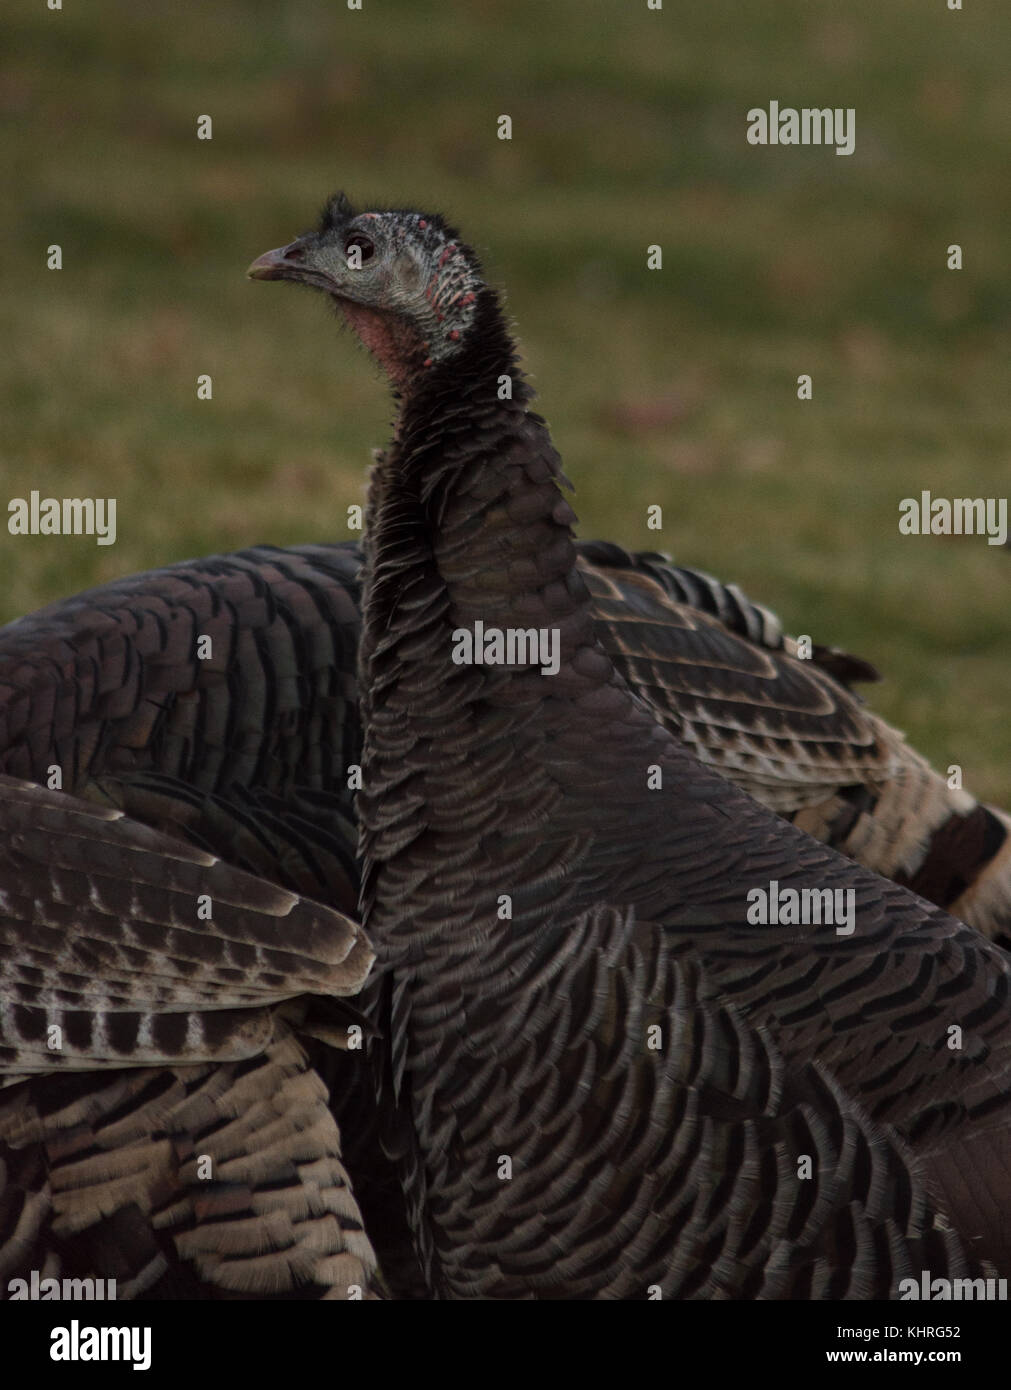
173 1135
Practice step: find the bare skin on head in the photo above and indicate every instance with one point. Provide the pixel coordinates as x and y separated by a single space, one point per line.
404 281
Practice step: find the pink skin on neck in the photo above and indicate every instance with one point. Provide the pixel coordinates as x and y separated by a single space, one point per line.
390 338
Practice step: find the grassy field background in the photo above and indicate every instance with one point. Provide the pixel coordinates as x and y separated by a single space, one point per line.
675 386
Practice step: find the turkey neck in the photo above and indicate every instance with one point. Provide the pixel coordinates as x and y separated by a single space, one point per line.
466 525
470 495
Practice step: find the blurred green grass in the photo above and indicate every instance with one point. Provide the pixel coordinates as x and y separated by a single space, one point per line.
675 386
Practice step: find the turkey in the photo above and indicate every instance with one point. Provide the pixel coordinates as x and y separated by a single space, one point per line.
160 1124
605 1077
247 755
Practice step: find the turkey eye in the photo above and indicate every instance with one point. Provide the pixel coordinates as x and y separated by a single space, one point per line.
365 246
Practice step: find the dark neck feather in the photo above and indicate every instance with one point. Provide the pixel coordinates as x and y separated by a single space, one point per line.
449 392
470 493
466 522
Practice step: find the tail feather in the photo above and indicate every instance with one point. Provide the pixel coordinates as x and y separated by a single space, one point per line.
936 840
985 902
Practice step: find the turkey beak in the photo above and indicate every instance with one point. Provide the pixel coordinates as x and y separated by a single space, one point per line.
291 262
